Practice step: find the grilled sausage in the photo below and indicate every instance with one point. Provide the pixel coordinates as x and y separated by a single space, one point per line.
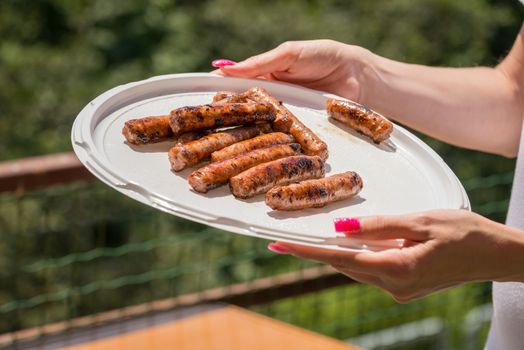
263 177
214 116
191 153
218 173
285 121
314 193
283 115
230 97
274 138
223 95
309 141
192 136
147 130
360 118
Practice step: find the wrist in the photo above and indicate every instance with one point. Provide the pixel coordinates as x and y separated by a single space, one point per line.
373 69
510 255
386 85
356 63
496 252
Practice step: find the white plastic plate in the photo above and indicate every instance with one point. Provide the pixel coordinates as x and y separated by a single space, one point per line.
401 175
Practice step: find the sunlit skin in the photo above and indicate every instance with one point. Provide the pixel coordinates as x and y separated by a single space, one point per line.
478 108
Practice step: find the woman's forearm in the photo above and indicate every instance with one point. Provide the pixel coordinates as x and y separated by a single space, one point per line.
479 108
508 264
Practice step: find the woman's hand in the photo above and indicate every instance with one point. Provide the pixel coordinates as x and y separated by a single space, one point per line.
324 65
443 248
456 105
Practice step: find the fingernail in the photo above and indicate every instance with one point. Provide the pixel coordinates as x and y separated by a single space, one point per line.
346 224
222 62
274 247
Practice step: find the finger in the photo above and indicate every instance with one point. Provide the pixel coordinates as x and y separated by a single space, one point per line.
262 77
368 262
217 72
278 59
383 227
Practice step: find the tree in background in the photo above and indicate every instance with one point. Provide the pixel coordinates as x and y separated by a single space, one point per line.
56 55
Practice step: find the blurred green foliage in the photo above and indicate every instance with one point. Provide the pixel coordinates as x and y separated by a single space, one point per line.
57 55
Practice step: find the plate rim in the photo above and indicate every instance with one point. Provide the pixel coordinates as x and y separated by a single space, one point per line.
87 152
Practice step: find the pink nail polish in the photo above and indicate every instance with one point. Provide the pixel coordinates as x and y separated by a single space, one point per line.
346 224
222 62
274 247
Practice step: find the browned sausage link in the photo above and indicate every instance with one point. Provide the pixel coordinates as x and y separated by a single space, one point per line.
310 142
230 97
147 130
191 153
285 121
218 173
214 116
193 135
360 118
263 177
266 140
223 95
314 193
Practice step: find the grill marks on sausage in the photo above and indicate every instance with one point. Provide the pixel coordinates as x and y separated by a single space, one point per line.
263 177
285 121
219 115
262 141
147 130
183 155
230 97
252 157
218 173
192 136
360 118
314 193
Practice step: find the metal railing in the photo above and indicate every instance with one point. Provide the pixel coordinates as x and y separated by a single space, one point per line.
73 253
